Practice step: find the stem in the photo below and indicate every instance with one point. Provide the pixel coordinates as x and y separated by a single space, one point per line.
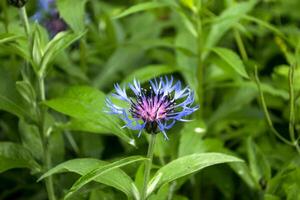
24 17
45 140
240 45
265 109
200 69
148 165
292 108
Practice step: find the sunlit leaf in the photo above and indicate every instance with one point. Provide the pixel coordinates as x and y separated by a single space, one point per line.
233 60
88 104
187 165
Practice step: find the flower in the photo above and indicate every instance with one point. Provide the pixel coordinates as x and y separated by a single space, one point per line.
17 3
154 109
48 15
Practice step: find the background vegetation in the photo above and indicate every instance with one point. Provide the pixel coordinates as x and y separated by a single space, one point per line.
240 57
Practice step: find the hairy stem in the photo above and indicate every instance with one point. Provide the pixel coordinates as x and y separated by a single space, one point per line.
45 139
148 165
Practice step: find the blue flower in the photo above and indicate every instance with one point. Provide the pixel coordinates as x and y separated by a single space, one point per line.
155 109
48 16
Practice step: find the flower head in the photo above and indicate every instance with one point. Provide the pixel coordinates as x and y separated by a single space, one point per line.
155 109
48 15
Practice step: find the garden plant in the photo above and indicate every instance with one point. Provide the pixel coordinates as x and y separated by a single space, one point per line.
149 99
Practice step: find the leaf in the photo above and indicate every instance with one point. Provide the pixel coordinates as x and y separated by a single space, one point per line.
191 140
186 165
225 21
88 104
259 165
10 100
60 42
149 72
99 171
73 13
232 59
84 125
8 37
140 7
15 156
115 178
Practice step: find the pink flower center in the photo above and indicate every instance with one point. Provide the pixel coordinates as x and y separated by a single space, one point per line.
151 108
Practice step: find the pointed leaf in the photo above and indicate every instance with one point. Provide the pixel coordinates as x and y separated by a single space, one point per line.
115 178
187 165
233 60
100 171
15 156
141 7
88 104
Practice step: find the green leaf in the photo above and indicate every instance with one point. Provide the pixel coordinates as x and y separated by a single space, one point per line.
84 125
15 156
60 42
141 7
88 104
115 178
73 13
259 165
8 37
225 21
100 171
186 165
149 72
10 100
232 59
191 140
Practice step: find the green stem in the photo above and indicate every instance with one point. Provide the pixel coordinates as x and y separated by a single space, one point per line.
292 107
45 140
240 45
148 165
24 17
265 109
200 70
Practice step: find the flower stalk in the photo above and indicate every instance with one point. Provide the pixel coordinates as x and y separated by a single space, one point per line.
148 165
42 111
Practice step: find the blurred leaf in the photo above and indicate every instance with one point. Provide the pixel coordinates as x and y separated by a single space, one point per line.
100 171
73 13
225 21
61 41
233 101
88 104
191 140
15 156
141 7
232 59
83 125
10 100
149 72
8 37
115 178
124 58
259 165
187 165
31 139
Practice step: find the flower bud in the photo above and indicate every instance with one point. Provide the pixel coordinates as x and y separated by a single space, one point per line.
17 3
